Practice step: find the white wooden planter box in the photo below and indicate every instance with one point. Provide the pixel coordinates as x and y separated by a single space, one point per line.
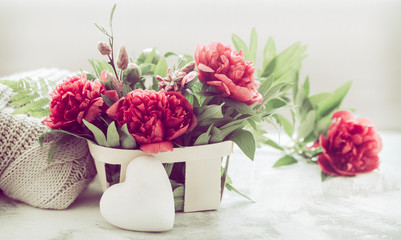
203 182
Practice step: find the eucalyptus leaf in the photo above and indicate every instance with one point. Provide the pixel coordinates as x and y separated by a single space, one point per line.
284 161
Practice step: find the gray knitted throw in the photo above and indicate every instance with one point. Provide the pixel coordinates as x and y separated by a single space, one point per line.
25 174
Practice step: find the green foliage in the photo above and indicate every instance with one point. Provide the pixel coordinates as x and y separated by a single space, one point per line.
30 97
311 118
245 141
310 115
284 161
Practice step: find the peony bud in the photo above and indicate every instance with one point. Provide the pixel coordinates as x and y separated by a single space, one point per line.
122 61
132 74
189 67
111 78
104 48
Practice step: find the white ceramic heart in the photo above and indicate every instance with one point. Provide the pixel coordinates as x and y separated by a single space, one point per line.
144 201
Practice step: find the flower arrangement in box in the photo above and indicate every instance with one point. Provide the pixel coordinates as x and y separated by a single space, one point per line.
195 110
144 105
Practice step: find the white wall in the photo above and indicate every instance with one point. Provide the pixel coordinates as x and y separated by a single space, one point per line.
348 40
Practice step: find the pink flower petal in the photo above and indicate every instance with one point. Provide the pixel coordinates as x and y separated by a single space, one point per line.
157 147
205 68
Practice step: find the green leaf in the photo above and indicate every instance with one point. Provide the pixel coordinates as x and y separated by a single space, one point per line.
20 95
288 60
245 141
253 46
107 100
231 188
334 101
240 107
269 52
285 123
306 87
100 65
216 135
39 113
149 57
265 85
274 104
284 161
126 89
317 98
161 67
273 144
325 176
113 138
322 125
168 54
25 100
240 45
168 167
307 126
111 17
204 137
38 104
207 94
97 133
211 111
126 139
104 31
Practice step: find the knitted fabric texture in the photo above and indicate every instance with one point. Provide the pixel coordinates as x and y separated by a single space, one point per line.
26 175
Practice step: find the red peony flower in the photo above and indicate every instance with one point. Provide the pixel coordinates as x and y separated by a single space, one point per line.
228 72
154 118
76 99
351 146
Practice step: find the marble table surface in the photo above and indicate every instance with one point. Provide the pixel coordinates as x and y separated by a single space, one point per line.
290 203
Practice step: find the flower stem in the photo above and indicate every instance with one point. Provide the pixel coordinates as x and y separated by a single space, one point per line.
112 56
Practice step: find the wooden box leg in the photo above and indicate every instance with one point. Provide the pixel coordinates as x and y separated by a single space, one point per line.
101 170
202 185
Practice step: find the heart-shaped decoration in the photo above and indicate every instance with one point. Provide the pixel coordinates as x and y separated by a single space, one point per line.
144 201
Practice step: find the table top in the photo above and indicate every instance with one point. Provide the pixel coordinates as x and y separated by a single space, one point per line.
291 202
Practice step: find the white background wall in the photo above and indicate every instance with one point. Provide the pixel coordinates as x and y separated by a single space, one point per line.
347 40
